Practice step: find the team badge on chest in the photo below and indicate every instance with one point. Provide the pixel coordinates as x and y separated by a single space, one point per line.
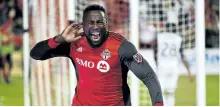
106 54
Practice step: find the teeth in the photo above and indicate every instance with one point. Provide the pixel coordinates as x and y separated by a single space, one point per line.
95 33
95 37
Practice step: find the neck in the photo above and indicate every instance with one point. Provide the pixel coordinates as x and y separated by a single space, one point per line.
99 44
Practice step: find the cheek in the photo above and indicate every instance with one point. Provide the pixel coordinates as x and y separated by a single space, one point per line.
86 29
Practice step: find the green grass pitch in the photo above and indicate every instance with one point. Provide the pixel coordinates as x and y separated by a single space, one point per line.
12 94
186 92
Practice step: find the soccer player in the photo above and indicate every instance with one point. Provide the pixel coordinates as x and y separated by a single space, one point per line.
102 60
168 51
2 68
6 48
1 65
7 45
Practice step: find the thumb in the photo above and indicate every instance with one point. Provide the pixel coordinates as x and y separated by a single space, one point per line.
77 38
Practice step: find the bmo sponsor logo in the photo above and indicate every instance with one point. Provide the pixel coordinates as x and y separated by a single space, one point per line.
102 66
85 63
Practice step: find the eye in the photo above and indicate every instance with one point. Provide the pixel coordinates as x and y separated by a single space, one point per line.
90 23
101 22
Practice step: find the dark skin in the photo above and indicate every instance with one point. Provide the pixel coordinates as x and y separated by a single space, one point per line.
93 22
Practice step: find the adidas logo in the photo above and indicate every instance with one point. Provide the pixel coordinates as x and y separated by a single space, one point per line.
79 49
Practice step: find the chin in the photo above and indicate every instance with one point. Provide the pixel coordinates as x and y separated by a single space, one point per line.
96 43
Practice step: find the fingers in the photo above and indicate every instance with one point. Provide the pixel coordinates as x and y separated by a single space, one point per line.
74 27
67 30
76 24
77 38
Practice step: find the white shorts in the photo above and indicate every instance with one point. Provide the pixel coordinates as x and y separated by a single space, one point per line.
168 78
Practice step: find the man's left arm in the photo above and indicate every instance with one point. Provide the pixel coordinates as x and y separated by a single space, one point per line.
140 67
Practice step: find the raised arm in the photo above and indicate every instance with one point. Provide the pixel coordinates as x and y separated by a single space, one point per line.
57 46
49 48
140 67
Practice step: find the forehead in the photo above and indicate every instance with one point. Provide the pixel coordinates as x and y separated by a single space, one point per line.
95 14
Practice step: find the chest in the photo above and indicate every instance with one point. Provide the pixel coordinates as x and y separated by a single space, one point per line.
101 60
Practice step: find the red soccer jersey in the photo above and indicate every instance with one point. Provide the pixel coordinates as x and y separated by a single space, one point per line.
99 72
102 72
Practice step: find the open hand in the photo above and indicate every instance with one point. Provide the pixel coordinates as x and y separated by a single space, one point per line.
71 33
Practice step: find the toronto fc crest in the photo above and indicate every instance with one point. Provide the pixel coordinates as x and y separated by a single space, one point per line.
106 54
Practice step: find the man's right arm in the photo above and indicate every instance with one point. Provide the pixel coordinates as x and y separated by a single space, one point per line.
59 45
50 48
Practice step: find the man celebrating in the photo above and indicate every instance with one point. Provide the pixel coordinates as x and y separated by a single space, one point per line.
102 60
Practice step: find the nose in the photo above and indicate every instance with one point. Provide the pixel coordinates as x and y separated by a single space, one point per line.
95 25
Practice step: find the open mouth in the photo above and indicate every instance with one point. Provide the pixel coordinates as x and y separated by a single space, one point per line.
95 36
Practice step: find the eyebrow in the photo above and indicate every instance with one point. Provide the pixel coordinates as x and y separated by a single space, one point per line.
96 20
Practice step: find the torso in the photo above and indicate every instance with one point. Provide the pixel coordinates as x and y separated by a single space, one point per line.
99 73
169 45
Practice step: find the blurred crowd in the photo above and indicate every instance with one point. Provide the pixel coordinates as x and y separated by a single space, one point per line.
11 21
10 34
177 16
212 23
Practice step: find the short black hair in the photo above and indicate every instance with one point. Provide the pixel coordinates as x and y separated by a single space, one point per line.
93 7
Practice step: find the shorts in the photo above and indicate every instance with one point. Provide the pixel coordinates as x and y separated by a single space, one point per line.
8 59
168 78
1 63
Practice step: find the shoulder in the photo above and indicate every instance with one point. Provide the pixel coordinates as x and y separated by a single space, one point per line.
127 47
114 41
81 41
126 50
116 36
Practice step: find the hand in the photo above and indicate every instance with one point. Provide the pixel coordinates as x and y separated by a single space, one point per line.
70 34
12 13
190 76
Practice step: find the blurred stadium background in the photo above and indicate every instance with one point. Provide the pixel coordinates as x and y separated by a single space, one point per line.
49 17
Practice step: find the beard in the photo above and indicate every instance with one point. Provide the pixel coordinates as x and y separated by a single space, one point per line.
97 37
